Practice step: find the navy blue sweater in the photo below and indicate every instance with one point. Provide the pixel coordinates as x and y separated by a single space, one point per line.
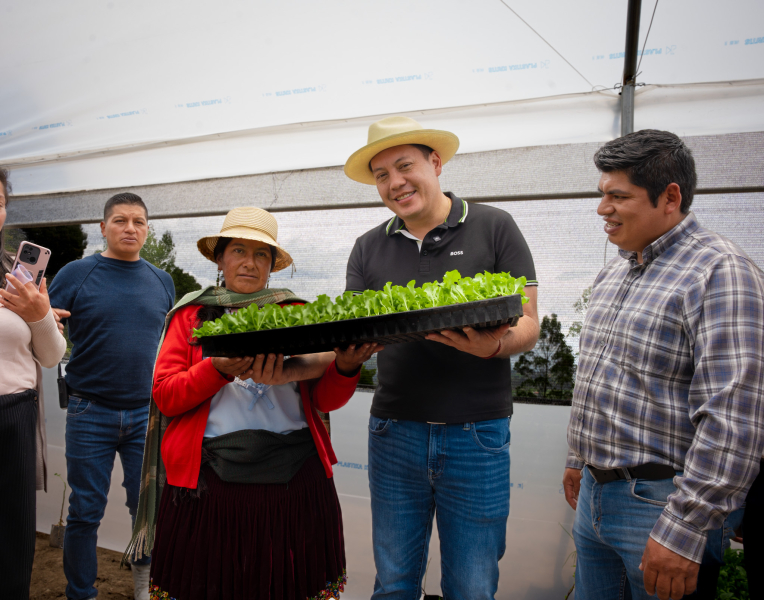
118 309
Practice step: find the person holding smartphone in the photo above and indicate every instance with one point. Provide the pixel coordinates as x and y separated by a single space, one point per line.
29 339
114 305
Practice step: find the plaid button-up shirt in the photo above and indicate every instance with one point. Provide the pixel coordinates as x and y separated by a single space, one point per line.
671 371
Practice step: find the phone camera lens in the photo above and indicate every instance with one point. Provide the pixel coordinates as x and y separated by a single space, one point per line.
32 260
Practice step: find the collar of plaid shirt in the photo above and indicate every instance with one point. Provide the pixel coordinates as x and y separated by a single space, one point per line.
668 239
671 372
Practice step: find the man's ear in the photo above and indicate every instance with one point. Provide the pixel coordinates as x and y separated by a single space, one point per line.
436 162
673 198
103 228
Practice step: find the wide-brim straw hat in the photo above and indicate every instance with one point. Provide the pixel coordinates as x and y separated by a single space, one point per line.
248 223
397 131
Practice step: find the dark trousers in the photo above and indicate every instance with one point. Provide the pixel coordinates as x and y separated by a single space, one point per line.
18 424
753 536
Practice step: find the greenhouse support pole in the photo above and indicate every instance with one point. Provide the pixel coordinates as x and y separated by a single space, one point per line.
630 66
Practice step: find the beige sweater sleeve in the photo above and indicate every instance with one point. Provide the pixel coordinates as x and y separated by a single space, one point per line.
48 345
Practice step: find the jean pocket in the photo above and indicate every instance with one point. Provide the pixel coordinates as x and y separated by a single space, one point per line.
379 426
77 406
492 436
652 492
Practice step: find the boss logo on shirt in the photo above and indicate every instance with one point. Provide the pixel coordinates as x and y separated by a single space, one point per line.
457 252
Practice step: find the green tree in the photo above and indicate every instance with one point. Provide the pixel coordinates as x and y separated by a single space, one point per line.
160 252
549 370
13 237
65 242
580 306
184 282
367 376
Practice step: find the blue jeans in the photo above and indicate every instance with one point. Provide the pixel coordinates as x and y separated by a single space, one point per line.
458 472
94 434
613 524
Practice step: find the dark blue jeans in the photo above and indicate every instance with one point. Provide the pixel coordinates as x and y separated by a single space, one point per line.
460 474
613 524
94 434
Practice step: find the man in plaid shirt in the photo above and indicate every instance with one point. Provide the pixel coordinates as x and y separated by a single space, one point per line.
667 425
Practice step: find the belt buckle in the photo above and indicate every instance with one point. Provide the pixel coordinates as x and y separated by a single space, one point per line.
601 476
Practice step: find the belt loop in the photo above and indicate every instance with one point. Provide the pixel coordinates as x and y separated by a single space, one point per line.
466 427
625 472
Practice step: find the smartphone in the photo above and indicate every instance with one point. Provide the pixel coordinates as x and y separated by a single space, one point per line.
34 258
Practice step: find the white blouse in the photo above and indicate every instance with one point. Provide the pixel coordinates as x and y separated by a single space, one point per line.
249 405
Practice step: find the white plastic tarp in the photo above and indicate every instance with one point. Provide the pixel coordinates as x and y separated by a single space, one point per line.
104 94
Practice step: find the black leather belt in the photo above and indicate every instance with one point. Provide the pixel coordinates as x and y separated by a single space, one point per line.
651 471
76 394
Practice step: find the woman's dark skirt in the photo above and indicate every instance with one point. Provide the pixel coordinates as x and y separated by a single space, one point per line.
251 541
18 430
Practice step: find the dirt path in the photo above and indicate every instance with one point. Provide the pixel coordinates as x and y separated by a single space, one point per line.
49 583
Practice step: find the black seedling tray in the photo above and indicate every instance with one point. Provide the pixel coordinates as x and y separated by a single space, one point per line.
395 328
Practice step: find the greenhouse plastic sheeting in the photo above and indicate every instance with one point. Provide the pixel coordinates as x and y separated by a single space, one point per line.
148 92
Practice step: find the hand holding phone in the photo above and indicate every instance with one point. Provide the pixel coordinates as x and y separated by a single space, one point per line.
22 275
31 260
27 301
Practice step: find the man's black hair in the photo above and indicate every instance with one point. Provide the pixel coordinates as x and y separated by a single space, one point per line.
651 159
123 198
425 150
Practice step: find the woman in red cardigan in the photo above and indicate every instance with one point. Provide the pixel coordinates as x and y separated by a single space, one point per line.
249 509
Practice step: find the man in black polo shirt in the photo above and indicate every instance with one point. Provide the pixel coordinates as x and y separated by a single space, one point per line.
439 424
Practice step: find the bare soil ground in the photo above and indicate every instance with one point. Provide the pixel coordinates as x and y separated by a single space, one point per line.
49 583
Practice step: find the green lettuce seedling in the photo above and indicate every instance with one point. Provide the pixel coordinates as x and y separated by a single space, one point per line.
454 289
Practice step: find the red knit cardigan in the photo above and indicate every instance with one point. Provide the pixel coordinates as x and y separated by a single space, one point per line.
184 384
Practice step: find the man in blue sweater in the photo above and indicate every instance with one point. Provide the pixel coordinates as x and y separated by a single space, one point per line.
114 304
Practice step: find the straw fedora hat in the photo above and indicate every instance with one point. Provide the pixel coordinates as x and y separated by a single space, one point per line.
397 131
249 223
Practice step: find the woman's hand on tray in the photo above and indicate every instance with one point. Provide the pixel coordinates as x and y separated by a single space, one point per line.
240 366
349 361
271 369
479 342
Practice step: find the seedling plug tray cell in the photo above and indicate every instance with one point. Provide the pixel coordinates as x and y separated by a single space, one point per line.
395 328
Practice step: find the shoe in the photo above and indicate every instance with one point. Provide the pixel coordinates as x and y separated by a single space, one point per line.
141 581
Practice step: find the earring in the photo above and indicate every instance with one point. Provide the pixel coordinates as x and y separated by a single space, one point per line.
217 281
